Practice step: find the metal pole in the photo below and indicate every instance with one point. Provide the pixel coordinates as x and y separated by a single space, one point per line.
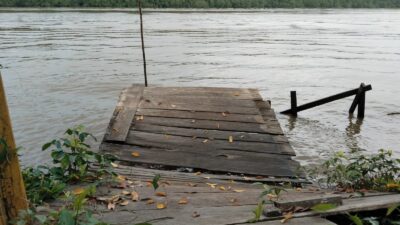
141 35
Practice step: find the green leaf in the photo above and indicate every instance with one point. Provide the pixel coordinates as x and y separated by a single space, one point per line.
355 219
323 207
41 218
391 209
155 181
66 218
47 145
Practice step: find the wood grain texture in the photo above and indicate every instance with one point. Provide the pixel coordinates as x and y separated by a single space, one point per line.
226 163
225 130
124 114
11 184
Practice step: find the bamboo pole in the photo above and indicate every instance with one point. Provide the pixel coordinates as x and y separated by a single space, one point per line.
13 196
139 2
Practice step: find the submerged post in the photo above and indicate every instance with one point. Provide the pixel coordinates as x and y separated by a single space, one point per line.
141 36
293 103
12 191
359 101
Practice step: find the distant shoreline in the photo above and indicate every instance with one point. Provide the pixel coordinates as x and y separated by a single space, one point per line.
176 10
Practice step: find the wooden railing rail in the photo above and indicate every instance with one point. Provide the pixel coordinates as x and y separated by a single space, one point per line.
359 101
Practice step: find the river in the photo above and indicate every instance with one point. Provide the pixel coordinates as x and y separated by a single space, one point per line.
67 67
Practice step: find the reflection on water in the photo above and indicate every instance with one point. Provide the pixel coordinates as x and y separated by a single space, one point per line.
67 68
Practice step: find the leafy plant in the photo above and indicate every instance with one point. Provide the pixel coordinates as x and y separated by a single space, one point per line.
257 212
356 171
73 156
155 181
41 185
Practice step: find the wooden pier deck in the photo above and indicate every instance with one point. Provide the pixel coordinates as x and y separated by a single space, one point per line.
219 130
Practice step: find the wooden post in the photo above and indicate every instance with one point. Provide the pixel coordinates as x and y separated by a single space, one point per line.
12 190
293 103
356 100
361 106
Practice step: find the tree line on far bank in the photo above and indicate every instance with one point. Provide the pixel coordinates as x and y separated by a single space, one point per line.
206 3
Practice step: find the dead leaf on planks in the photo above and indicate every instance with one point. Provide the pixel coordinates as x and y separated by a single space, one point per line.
134 196
124 203
212 185
139 118
287 217
161 205
230 139
135 154
183 201
161 194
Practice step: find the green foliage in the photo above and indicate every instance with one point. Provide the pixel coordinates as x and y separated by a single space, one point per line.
323 207
72 160
41 185
206 3
257 212
356 171
5 153
155 181
73 156
390 218
73 213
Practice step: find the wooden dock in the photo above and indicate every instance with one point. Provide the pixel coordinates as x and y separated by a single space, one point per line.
217 130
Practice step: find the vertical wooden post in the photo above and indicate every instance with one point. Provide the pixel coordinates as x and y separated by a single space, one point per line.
293 103
361 106
356 101
11 184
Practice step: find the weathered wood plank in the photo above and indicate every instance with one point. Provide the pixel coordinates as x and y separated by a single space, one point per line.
178 142
221 93
214 101
211 125
210 134
300 221
248 165
198 106
358 204
217 116
124 114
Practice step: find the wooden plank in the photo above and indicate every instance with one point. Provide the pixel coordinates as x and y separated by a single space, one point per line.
178 142
212 125
214 101
198 106
300 221
217 116
203 92
357 205
124 114
210 134
289 200
248 165
138 173
11 184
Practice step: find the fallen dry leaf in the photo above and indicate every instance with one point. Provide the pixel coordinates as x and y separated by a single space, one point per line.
193 121
111 206
191 185
212 185
78 191
195 214
230 139
161 205
205 140
124 203
287 217
135 154
224 114
222 188
173 106
298 189
121 178
161 194
125 192
198 173
140 117
114 165
183 201
134 196
238 190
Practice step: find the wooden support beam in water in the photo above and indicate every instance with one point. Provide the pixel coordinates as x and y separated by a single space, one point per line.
329 99
12 190
359 101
